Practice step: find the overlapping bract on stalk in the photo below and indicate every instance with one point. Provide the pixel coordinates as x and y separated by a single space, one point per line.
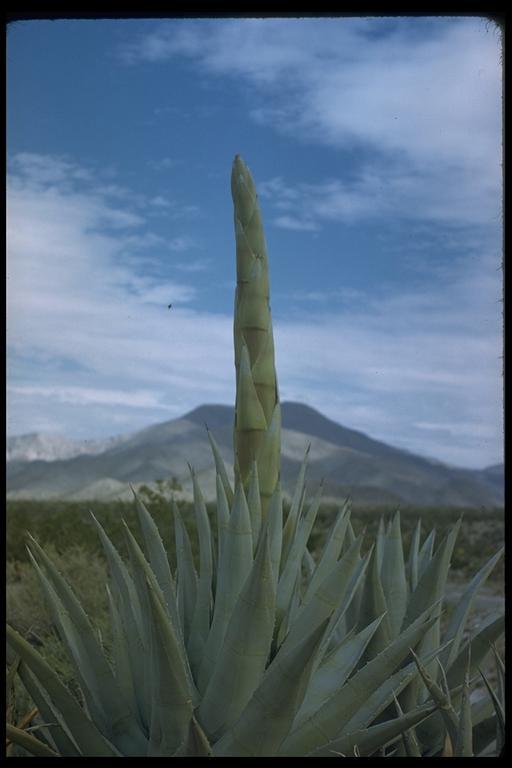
255 648
257 410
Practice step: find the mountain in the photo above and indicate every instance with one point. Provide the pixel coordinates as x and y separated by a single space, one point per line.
348 461
49 447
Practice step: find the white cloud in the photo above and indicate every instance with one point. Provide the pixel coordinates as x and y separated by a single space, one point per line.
382 191
422 95
164 293
90 396
391 366
163 163
194 265
84 316
160 202
43 169
297 224
183 243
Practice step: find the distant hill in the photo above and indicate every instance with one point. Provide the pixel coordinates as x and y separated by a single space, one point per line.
348 461
49 447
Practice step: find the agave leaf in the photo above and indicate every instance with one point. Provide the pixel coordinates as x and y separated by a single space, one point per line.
331 551
337 619
201 619
460 614
75 650
394 582
131 619
291 613
444 680
11 673
481 709
12 668
413 562
186 574
157 558
295 508
379 543
433 578
122 580
447 747
308 565
500 675
220 468
141 570
410 745
500 714
60 735
351 618
121 657
477 647
484 734
267 717
254 503
334 670
222 510
426 552
464 740
442 701
100 688
275 525
383 696
35 746
234 567
373 604
245 649
331 718
369 740
144 577
431 587
196 743
349 538
328 596
88 738
295 554
170 683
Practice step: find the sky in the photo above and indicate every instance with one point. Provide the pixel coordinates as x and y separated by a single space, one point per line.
376 147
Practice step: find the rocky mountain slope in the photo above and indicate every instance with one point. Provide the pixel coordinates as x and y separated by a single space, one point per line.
348 461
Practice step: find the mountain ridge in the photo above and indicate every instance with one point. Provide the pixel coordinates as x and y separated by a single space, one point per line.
348 461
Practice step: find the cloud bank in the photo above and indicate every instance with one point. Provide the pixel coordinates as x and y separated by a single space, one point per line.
419 99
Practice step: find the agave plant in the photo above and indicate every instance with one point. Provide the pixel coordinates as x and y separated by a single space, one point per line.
255 647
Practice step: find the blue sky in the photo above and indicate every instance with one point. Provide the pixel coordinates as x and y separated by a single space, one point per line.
375 145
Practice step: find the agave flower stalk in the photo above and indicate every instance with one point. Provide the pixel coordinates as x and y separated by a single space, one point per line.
257 408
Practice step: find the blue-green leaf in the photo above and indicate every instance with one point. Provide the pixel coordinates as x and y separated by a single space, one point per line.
234 567
267 717
242 657
220 468
186 574
87 736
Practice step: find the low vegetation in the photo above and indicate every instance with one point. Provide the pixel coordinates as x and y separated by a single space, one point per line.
65 525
